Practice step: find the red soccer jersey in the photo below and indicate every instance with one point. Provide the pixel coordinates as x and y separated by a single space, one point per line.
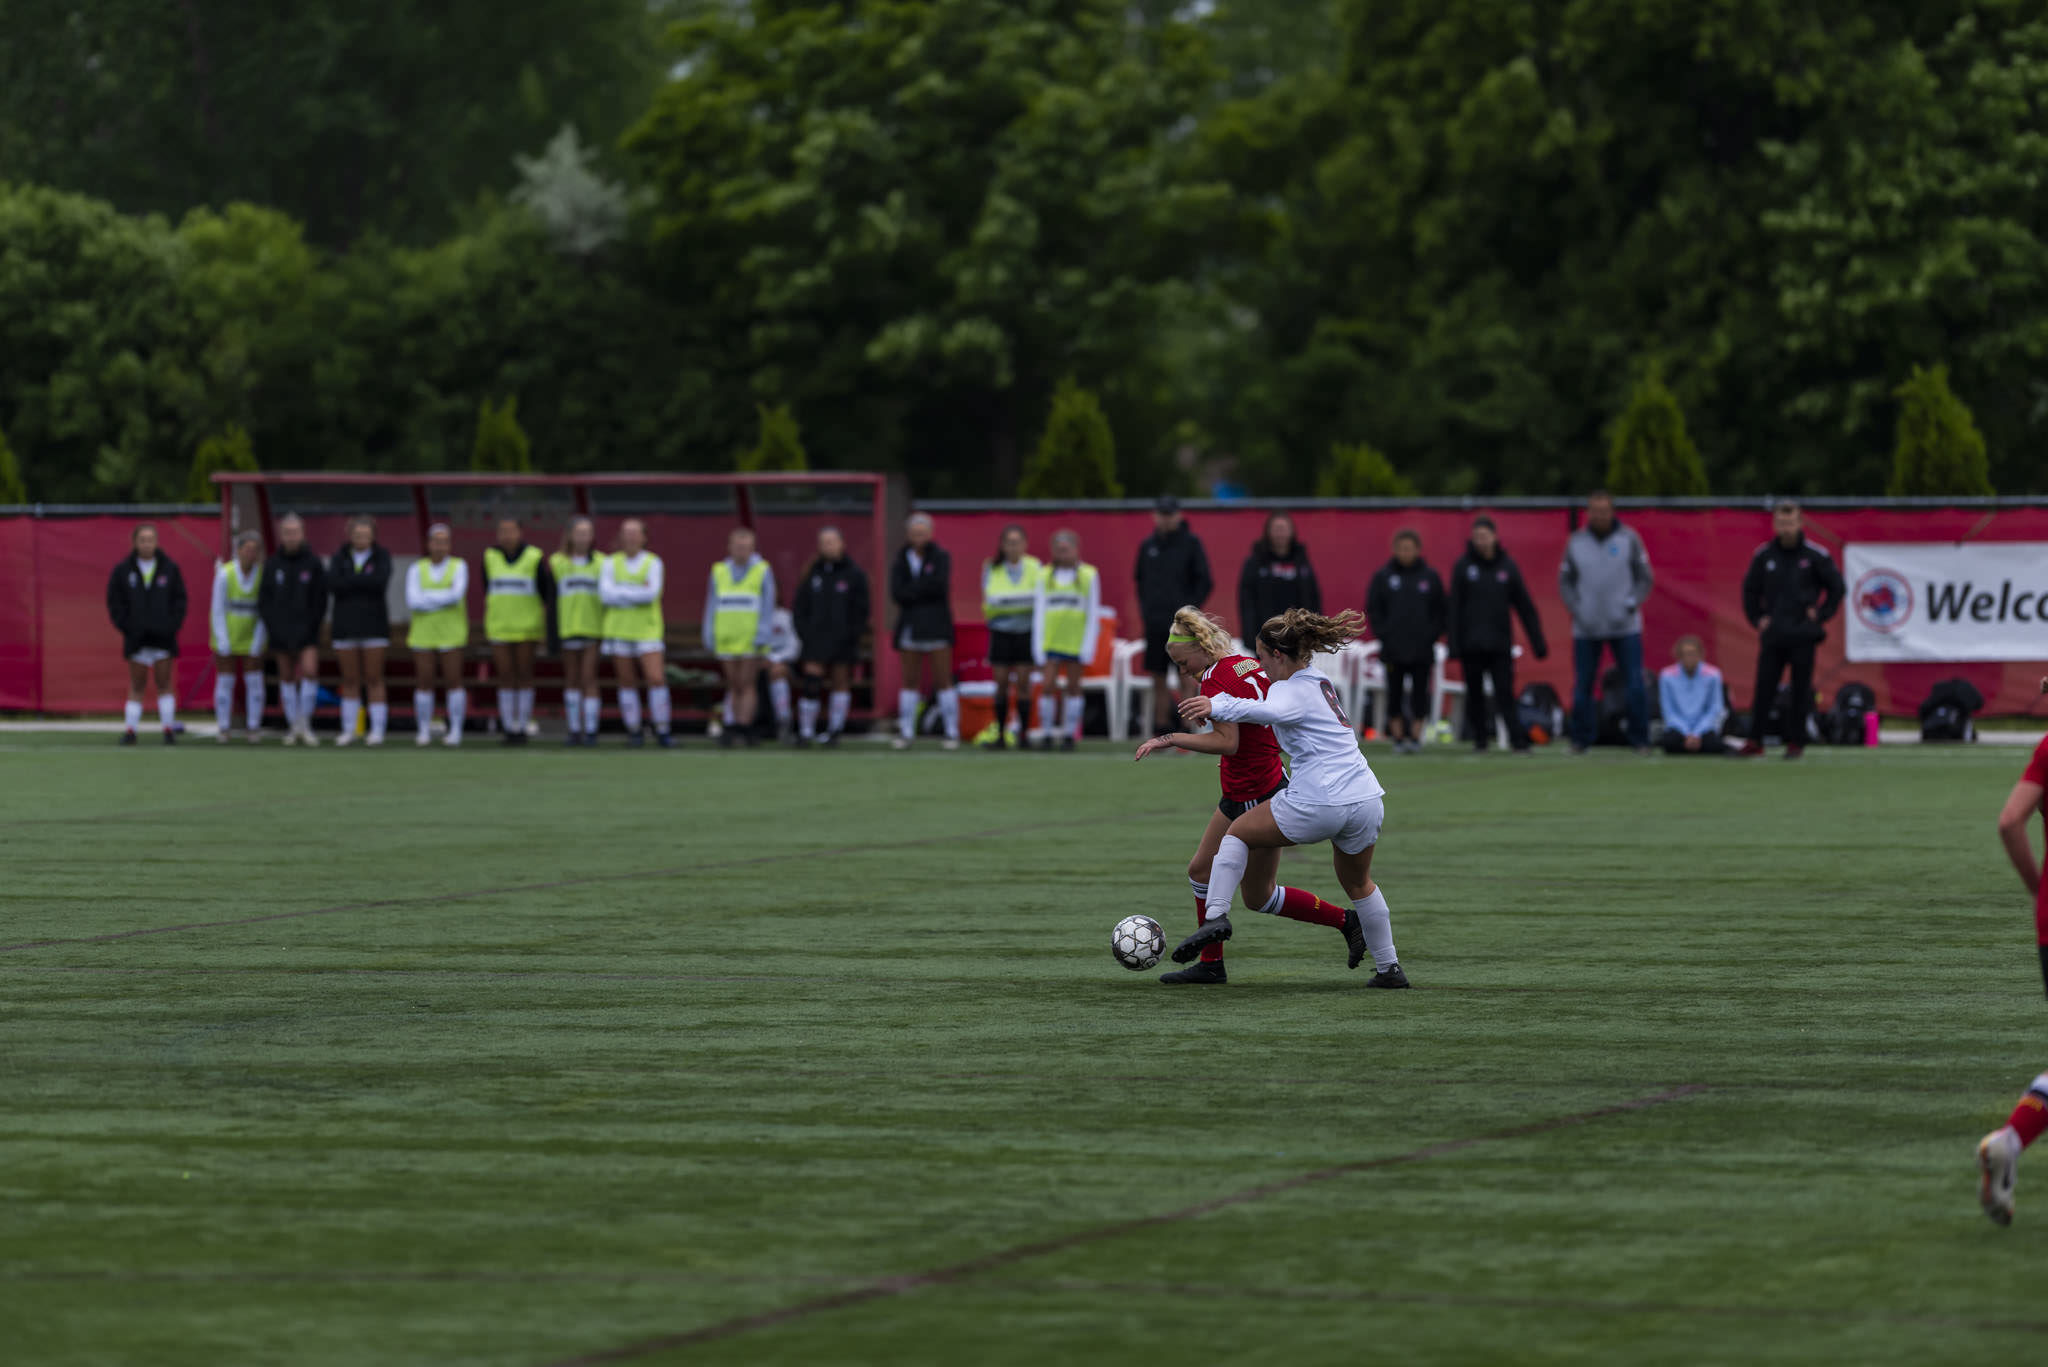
2037 772
1255 769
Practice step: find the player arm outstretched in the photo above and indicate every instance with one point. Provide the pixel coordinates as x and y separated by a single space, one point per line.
1220 741
1225 708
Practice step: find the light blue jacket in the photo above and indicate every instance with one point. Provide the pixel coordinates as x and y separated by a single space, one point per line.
1693 704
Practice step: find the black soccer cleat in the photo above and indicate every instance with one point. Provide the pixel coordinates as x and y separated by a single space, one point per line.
1354 936
636 740
1196 974
831 741
127 738
170 736
665 740
1066 744
1212 933
1390 977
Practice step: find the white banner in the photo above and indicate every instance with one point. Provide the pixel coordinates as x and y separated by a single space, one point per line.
1947 601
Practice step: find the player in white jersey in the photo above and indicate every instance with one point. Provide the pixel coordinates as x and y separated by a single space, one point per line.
1331 792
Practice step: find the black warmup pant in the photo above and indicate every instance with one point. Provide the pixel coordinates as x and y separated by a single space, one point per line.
1771 663
1674 744
1499 666
1408 691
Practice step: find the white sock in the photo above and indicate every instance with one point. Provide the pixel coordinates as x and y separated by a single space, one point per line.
224 701
132 714
253 685
725 711
1200 890
1226 871
949 709
423 709
167 709
288 696
572 706
351 711
593 709
778 698
1072 711
1047 700
1378 925
658 708
1277 899
906 711
525 708
309 699
508 710
380 717
629 710
842 703
458 708
807 717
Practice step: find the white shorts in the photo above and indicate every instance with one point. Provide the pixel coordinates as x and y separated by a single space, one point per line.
149 656
365 643
631 650
578 642
1352 826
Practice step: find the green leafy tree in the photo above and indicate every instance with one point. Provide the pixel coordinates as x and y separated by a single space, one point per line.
224 452
1649 453
1939 450
919 220
12 490
1361 472
779 445
1076 456
501 446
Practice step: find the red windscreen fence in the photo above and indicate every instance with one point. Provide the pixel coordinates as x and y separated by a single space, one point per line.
58 653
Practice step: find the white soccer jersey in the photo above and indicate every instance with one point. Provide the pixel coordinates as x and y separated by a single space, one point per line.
1309 723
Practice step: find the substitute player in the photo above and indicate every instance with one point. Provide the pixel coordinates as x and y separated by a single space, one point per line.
579 624
1009 597
292 604
829 613
237 635
739 609
635 636
358 584
1250 771
1331 795
437 596
1998 1154
519 592
1065 626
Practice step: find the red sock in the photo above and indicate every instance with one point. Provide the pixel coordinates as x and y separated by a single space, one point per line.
1211 954
2029 1118
1297 905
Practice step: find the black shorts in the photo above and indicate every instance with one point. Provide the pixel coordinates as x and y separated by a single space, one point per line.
827 655
1233 809
1155 647
1009 648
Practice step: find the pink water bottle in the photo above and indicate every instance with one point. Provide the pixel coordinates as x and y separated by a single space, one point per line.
1870 728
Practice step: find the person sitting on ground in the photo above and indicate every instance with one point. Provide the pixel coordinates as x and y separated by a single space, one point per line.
1694 702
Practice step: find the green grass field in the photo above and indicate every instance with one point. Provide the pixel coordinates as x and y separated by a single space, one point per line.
537 1057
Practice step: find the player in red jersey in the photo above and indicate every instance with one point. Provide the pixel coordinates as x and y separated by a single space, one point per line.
1251 773
1998 1153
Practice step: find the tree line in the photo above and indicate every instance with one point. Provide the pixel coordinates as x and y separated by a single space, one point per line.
1061 247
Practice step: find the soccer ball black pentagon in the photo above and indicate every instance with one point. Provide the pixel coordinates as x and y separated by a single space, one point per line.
1137 942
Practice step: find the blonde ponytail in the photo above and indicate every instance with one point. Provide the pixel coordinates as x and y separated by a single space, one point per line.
1203 632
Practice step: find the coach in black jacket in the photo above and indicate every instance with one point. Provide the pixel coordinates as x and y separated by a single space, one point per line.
1486 588
291 604
1407 609
1172 573
1277 576
921 586
146 602
1791 590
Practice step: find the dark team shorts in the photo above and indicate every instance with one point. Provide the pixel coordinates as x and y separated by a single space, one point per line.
830 655
1233 809
1009 648
1054 657
1155 646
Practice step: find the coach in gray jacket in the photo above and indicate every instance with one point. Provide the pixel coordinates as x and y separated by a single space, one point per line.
1605 580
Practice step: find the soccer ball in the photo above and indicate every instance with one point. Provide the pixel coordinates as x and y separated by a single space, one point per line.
1137 942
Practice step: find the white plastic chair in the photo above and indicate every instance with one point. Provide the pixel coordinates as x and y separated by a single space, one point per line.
1128 676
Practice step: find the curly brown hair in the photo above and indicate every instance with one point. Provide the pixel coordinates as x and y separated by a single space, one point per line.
1298 633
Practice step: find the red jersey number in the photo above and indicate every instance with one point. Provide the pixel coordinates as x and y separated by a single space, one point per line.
1330 697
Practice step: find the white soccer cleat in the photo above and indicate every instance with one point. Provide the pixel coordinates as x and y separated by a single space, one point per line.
900 743
344 739
291 736
308 739
374 740
221 737
255 736
426 739
1998 1172
451 740
950 743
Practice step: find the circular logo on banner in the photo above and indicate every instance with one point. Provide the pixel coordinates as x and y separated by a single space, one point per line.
1883 601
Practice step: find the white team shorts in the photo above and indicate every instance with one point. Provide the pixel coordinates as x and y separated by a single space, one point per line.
364 643
578 642
1351 826
630 650
149 656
